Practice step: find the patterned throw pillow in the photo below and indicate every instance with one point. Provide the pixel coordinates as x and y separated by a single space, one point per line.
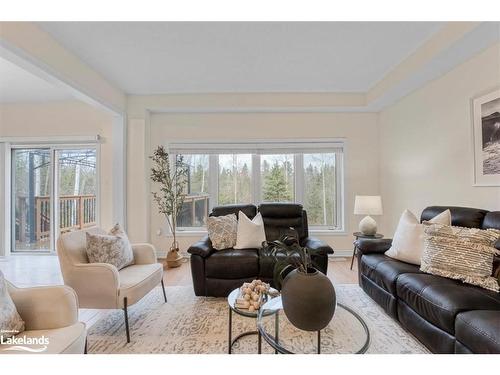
10 321
222 231
461 253
113 248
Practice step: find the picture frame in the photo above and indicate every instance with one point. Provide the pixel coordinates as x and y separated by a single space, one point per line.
486 138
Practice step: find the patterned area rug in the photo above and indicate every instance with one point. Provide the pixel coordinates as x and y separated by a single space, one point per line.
197 325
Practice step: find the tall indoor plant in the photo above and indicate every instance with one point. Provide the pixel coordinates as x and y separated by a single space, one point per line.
308 296
171 177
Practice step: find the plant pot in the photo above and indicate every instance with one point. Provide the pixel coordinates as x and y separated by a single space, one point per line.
309 299
174 259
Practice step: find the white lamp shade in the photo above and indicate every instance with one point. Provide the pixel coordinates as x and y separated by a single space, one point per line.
368 205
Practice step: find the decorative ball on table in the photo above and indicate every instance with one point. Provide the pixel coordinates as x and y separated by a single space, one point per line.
368 205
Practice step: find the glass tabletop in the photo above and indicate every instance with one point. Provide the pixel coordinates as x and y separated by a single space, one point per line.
346 333
231 301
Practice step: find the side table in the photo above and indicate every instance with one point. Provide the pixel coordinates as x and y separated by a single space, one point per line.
361 235
231 301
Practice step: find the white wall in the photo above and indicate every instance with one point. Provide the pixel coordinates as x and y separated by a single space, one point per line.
69 118
426 154
361 164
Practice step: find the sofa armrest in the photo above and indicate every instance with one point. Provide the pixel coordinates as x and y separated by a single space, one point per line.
47 307
202 248
96 284
317 246
373 246
144 253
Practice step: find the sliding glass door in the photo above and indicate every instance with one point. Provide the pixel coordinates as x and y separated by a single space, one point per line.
54 190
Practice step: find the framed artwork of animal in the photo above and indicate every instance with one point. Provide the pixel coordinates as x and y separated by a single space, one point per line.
486 132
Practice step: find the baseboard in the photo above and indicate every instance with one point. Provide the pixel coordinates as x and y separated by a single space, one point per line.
341 254
162 254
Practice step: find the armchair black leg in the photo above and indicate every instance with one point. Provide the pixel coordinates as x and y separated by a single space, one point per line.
126 319
163 288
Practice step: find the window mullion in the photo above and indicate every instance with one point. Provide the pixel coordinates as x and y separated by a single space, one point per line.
213 172
339 191
256 184
299 178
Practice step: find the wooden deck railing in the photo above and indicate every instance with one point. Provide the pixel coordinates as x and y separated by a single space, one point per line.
194 211
75 212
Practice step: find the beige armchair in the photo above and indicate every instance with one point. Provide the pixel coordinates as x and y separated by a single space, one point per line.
103 286
51 312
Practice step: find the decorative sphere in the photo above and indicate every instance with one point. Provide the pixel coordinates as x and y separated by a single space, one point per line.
368 226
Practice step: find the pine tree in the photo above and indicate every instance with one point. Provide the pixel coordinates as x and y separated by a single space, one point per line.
276 188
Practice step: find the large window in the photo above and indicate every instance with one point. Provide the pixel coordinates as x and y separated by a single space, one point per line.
54 191
307 173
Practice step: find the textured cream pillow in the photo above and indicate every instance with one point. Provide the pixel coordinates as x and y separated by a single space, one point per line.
251 233
113 248
222 231
408 242
10 321
461 253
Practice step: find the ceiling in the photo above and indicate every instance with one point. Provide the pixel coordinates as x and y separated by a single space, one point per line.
216 57
18 85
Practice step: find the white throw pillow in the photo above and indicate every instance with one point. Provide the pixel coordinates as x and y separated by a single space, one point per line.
408 242
251 233
10 321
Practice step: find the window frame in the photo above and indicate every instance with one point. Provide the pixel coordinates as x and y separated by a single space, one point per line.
257 148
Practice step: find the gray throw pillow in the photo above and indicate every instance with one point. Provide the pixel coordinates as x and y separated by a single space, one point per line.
222 231
113 248
11 322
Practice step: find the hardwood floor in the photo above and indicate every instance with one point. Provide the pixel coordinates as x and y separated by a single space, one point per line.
37 270
34 270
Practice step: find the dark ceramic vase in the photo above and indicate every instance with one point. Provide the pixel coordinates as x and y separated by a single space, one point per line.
309 299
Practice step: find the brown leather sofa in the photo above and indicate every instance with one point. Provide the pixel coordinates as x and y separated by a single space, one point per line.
217 273
446 315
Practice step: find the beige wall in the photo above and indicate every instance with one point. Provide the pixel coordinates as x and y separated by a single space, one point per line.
426 154
69 118
361 164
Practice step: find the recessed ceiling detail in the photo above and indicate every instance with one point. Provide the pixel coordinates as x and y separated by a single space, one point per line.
18 85
242 57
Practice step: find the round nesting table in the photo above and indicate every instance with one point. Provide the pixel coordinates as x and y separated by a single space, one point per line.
347 332
231 300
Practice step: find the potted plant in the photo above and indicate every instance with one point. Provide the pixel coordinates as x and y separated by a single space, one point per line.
171 177
308 295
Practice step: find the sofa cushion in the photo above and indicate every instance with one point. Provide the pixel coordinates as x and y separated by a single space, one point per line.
479 331
232 264
460 216
384 271
280 217
249 209
439 300
138 280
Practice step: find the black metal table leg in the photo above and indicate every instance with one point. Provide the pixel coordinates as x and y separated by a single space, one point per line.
230 341
259 350
353 255
276 329
319 342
